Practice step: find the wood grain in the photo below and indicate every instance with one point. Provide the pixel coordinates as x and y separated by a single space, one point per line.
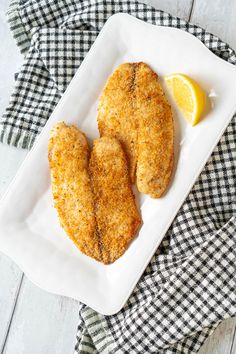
220 342
43 323
10 280
233 347
12 159
180 8
218 17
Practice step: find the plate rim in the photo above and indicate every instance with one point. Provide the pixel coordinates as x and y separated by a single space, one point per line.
113 19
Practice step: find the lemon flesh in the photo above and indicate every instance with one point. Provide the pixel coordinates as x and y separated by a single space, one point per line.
188 95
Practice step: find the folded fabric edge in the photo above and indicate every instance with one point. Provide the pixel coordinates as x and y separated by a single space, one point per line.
17 27
19 139
98 330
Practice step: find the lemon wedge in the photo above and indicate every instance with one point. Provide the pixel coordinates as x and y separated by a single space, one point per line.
189 96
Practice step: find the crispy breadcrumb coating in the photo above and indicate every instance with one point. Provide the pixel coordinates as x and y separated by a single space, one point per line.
134 109
94 200
155 136
116 116
116 214
68 155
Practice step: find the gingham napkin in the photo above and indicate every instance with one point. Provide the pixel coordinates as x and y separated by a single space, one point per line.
189 286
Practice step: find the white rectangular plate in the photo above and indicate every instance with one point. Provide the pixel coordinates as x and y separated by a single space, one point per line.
29 229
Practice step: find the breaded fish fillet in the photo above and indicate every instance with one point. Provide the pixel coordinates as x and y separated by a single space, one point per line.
116 112
116 214
133 108
68 155
94 200
155 135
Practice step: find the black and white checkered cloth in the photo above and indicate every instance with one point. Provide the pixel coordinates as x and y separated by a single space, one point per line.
189 286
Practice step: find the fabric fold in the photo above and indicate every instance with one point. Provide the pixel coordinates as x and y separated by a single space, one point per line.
194 298
17 27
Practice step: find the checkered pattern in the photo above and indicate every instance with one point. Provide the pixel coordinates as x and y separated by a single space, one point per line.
189 286
55 37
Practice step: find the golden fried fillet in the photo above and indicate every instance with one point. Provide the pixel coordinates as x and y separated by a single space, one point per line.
68 158
155 135
133 109
116 112
94 200
116 214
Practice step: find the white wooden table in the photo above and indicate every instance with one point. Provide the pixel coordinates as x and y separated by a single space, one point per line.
33 321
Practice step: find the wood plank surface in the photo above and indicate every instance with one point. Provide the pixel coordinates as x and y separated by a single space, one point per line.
180 8
233 347
220 342
43 323
218 17
10 281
